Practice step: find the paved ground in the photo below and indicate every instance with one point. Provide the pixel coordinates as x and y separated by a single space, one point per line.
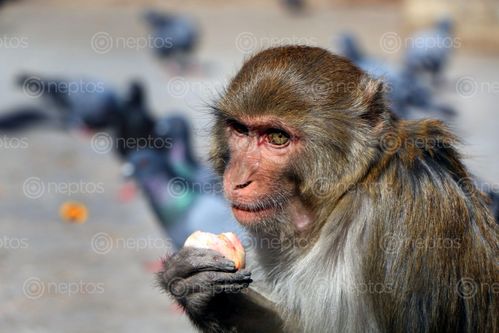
55 277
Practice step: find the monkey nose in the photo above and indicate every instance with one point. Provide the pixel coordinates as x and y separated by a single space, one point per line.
241 186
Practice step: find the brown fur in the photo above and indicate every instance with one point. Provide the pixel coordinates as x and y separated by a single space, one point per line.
381 177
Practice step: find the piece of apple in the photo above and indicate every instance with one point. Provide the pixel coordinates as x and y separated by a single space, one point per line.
226 243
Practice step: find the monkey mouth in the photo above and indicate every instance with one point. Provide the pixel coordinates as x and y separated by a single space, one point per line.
252 213
251 208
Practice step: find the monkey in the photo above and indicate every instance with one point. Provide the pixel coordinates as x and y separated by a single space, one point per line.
357 221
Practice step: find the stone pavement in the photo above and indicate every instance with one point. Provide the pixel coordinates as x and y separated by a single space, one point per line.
94 277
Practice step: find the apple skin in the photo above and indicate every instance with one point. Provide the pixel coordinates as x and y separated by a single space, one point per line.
226 244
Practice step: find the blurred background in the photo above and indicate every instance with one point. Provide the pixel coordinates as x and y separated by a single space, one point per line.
104 131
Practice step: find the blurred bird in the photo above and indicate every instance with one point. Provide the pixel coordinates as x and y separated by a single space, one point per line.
133 125
22 118
3 2
406 93
179 204
89 106
494 203
175 37
349 47
79 103
176 131
184 194
294 6
428 51
492 193
404 90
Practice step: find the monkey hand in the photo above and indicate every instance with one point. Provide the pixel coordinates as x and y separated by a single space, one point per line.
215 295
198 278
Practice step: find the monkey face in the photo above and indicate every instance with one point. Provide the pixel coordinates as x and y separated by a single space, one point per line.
290 128
255 179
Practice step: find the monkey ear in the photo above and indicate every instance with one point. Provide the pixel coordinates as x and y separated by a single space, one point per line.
374 101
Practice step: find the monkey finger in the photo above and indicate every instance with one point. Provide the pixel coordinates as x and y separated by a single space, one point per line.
216 289
210 282
201 282
230 288
190 260
210 260
237 277
216 278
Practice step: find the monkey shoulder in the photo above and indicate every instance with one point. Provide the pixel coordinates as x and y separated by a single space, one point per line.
427 216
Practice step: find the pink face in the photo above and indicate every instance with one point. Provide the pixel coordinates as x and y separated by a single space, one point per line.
260 151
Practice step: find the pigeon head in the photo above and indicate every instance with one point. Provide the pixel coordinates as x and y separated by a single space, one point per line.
176 130
157 19
445 25
145 163
136 94
174 127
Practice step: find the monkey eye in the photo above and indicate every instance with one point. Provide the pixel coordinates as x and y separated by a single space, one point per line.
238 127
277 137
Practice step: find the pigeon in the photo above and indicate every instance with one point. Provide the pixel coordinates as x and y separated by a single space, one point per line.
349 47
407 93
88 105
404 90
174 37
179 207
3 2
133 125
428 51
494 203
294 6
176 131
185 194
22 118
80 103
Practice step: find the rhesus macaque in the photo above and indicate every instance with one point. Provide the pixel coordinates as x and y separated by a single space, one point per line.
359 222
